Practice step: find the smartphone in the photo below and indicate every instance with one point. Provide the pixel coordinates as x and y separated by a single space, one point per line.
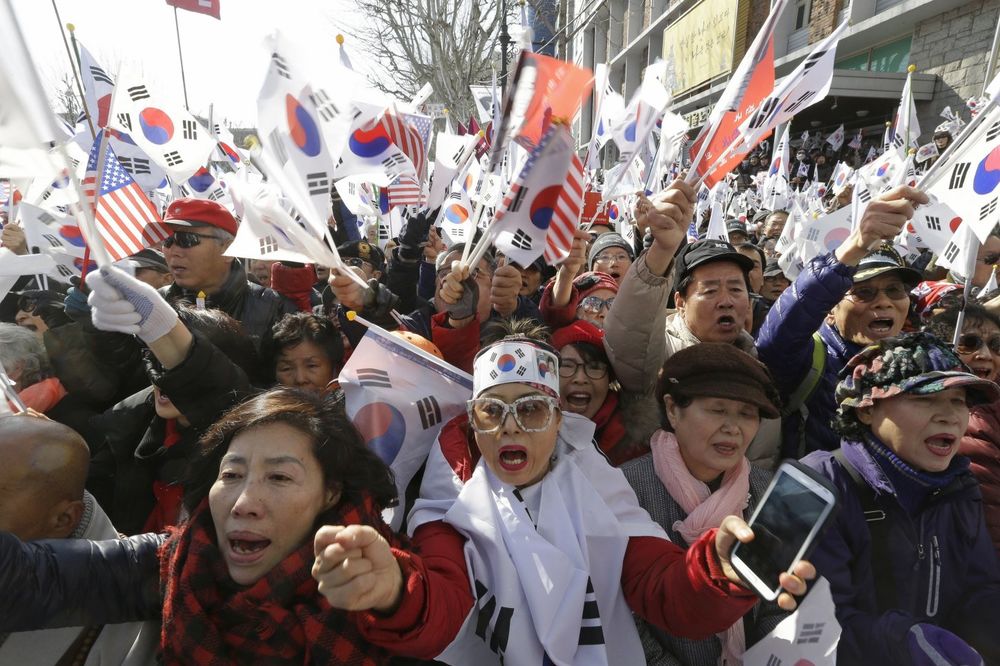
786 524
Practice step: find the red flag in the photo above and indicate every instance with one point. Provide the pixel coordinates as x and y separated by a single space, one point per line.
210 7
559 89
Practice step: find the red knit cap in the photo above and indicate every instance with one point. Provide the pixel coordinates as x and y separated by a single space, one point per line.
200 213
591 281
578 331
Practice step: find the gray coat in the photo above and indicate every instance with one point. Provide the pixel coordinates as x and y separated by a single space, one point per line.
661 648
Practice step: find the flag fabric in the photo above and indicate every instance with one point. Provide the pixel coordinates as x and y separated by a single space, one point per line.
399 397
906 128
855 143
927 151
204 185
872 154
824 233
536 200
969 181
402 130
456 216
882 173
565 219
208 7
936 224
752 82
126 220
51 232
836 138
483 97
636 125
171 136
807 636
841 177
98 88
451 154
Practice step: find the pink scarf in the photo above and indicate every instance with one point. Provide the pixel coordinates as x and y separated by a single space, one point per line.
704 510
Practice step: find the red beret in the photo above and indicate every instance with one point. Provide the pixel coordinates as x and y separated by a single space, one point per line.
578 331
200 213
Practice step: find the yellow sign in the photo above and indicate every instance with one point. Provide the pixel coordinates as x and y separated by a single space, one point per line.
700 43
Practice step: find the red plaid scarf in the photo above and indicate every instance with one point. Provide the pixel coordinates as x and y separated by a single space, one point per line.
281 619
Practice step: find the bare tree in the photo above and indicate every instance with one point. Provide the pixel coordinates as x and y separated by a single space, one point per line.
447 43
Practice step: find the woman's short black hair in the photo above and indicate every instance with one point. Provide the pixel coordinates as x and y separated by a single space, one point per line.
226 334
590 353
297 327
347 464
943 324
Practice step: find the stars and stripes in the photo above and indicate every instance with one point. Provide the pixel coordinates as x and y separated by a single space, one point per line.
408 139
126 220
566 216
405 191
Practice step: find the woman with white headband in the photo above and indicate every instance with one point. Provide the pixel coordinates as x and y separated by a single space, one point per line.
557 551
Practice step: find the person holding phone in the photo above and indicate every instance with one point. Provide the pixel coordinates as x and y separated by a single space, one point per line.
712 397
911 566
558 550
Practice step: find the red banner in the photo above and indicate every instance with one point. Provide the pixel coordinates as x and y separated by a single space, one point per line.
210 7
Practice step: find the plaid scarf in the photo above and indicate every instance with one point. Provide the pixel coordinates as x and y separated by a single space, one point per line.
281 619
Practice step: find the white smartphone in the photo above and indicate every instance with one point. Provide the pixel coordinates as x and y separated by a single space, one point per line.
786 524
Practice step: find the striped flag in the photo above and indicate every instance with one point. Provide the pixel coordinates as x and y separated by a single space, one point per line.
405 191
408 139
126 219
559 240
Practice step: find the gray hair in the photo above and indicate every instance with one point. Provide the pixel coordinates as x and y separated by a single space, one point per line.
22 350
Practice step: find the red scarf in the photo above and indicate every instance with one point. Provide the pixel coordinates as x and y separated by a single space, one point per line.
281 619
611 434
44 395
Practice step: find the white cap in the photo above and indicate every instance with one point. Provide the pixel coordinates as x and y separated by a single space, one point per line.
515 362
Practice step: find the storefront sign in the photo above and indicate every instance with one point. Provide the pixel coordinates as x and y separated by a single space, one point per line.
700 43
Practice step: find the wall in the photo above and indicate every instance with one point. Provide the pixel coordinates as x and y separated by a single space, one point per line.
954 45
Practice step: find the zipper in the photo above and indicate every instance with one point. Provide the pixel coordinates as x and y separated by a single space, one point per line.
934 584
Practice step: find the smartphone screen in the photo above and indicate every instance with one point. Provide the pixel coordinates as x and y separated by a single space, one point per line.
786 519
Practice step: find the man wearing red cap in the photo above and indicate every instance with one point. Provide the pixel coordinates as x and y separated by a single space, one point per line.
202 230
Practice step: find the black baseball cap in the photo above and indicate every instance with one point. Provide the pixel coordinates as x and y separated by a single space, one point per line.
706 251
772 269
885 259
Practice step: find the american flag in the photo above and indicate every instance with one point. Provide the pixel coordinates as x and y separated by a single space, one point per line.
566 216
126 219
4 191
405 191
409 140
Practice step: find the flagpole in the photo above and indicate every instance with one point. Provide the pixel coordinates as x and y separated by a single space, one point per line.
180 57
72 66
79 64
991 63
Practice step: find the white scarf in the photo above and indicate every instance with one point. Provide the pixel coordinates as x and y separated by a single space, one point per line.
535 578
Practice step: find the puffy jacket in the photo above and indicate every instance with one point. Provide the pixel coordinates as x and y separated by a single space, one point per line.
944 565
785 345
133 455
257 308
982 445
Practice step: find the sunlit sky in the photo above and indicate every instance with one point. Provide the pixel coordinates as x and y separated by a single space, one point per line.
224 61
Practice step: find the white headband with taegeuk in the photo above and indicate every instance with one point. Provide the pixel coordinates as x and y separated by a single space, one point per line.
515 361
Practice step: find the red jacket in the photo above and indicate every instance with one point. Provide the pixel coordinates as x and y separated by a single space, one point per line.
684 593
982 445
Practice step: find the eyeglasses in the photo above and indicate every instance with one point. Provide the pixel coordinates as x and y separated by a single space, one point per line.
991 258
532 413
895 292
357 262
185 239
970 343
593 369
594 304
621 257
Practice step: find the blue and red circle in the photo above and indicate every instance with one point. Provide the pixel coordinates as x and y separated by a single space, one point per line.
544 205
71 234
383 428
987 173
368 143
156 125
506 363
456 214
201 180
302 127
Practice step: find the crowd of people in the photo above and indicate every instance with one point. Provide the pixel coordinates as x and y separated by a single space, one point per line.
186 486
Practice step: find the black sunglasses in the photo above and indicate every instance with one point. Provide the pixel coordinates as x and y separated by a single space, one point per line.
895 292
991 258
185 239
970 343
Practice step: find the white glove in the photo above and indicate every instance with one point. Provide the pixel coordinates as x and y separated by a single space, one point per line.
121 303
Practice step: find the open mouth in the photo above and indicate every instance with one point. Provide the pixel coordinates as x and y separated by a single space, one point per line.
513 458
726 449
881 326
247 548
941 445
577 401
982 373
726 321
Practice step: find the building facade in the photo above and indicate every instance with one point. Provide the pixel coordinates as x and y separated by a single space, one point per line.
948 41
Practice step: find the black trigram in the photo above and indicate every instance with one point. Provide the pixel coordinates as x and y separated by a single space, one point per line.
993 132
988 210
280 66
274 140
591 632
53 241
383 231
933 222
100 75
325 107
138 92
394 161
268 245
46 218
864 195
64 271
761 115
459 154
125 120
46 194
811 633
485 618
216 194
493 374
430 412
521 240
812 234
958 174
811 61
318 183
190 129
374 377
519 352
518 198
951 252
135 165
773 661
173 158
803 98
520 371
